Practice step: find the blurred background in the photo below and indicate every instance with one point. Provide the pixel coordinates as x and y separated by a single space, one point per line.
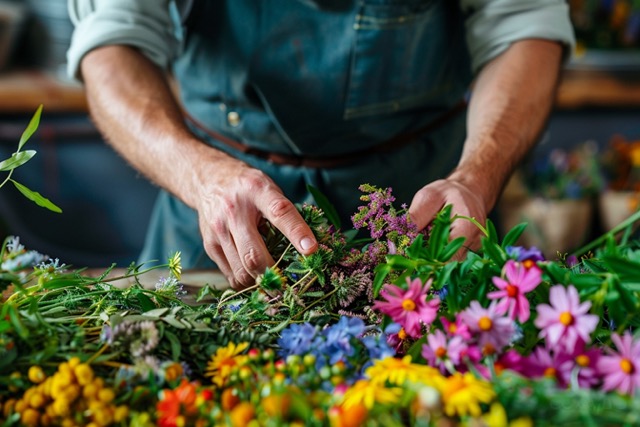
105 203
581 180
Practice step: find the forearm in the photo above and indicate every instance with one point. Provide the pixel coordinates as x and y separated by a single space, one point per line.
510 103
134 107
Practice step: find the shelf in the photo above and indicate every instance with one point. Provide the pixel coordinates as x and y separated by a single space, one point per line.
24 91
580 89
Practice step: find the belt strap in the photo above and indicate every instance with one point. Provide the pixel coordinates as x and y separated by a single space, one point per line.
328 162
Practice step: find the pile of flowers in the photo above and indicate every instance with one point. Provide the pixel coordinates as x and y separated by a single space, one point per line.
379 327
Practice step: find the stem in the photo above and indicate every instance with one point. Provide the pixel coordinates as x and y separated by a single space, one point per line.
283 254
615 230
250 288
473 221
97 354
315 303
7 179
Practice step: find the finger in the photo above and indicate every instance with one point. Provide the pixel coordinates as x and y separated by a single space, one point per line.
283 215
221 248
250 247
425 205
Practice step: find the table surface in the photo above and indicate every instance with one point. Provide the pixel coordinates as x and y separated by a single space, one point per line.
192 280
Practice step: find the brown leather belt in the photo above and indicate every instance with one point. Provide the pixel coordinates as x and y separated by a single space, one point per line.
327 162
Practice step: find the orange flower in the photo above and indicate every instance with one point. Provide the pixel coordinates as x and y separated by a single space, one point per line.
177 403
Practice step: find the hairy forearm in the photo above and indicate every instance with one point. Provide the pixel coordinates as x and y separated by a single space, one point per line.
510 103
134 107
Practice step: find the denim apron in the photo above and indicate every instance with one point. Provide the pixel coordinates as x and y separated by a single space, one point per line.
319 77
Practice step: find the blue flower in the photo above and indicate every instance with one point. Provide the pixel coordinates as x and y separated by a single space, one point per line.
335 344
520 253
296 339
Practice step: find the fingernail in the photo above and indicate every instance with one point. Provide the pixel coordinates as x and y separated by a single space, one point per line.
306 243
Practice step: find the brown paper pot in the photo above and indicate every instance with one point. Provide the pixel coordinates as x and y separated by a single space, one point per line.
616 206
553 225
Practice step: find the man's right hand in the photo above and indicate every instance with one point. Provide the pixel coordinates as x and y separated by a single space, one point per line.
232 205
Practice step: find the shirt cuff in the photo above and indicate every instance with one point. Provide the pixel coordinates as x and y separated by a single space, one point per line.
119 22
492 26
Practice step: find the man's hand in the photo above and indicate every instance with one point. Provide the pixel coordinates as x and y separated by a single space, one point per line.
433 197
233 205
135 109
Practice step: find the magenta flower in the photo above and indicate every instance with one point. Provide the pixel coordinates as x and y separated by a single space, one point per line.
519 281
443 353
585 361
621 370
494 331
565 321
456 328
547 363
409 308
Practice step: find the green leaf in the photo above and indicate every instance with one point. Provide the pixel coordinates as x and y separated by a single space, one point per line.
494 251
626 269
381 272
325 205
398 262
16 159
176 347
31 128
37 198
451 249
513 235
417 249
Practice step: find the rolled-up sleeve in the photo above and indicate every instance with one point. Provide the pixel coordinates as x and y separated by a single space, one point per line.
493 25
144 24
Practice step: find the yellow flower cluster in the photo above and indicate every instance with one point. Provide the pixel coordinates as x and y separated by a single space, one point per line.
72 396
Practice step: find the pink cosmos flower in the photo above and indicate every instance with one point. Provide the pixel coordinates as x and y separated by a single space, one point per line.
494 331
545 362
585 361
621 370
458 327
565 321
442 352
519 281
409 308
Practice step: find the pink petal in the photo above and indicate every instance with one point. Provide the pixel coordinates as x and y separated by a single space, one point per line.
523 308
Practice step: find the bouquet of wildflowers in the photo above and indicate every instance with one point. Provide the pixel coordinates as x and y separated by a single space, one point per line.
385 330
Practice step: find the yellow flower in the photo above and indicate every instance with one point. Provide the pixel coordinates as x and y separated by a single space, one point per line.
175 266
225 361
84 373
370 393
462 395
497 417
36 374
397 371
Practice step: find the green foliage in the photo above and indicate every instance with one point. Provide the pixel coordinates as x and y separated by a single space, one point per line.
19 158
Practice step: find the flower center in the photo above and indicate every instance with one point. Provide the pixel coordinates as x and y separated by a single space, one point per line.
408 305
566 318
582 360
550 372
626 366
453 328
488 349
512 291
485 324
528 263
440 352
402 334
